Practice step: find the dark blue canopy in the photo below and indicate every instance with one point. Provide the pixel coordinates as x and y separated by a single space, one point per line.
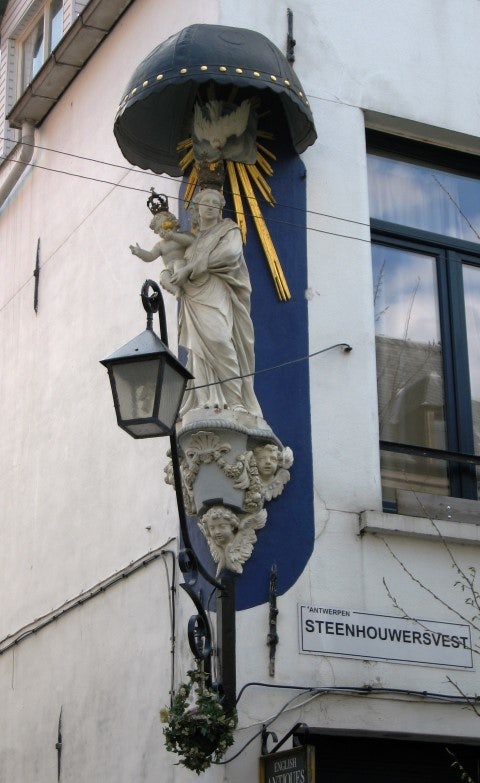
156 110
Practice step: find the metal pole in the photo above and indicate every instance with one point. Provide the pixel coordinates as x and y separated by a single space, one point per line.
226 640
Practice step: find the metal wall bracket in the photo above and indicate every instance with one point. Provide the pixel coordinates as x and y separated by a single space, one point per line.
59 745
36 274
291 42
272 638
266 734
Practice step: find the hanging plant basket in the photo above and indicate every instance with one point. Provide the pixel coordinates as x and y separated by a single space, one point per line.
197 729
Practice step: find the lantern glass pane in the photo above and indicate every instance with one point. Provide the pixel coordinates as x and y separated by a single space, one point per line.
148 430
136 384
173 387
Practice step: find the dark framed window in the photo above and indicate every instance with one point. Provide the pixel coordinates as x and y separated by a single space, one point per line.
425 227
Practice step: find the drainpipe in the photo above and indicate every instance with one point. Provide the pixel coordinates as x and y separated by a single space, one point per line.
23 154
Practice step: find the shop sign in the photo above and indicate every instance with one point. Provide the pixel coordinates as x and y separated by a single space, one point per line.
296 765
326 630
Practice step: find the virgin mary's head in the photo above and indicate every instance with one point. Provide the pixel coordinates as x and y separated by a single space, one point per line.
207 198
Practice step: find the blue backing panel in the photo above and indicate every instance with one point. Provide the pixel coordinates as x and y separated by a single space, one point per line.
281 335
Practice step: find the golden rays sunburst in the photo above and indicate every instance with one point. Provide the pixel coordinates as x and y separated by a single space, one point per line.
244 178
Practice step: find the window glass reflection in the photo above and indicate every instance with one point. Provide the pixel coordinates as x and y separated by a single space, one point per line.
409 367
424 197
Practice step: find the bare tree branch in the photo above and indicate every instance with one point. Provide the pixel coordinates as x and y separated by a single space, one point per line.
425 587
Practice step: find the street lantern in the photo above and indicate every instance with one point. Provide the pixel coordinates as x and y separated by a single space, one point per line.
148 382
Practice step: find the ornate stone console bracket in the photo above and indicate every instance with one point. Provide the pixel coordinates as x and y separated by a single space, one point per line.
231 465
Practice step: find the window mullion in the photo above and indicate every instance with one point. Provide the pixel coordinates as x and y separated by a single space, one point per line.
450 388
461 411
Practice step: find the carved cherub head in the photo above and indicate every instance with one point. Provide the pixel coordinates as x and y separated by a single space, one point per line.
220 525
231 538
272 463
164 221
267 457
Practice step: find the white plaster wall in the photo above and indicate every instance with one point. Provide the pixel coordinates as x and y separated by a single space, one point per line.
348 571
79 499
93 665
59 432
355 59
78 495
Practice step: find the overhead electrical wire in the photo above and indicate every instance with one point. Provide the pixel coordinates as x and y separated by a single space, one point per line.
118 184
168 179
266 723
62 243
307 357
271 219
348 690
19 636
129 169
369 689
346 347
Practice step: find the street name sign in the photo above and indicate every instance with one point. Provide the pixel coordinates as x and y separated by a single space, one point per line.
326 630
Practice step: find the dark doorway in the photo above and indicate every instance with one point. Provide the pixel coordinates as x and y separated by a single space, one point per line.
341 759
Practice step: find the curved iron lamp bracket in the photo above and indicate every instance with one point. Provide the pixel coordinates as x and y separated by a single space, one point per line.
266 734
199 630
153 303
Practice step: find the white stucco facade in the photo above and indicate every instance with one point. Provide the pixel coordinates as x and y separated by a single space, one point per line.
80 501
